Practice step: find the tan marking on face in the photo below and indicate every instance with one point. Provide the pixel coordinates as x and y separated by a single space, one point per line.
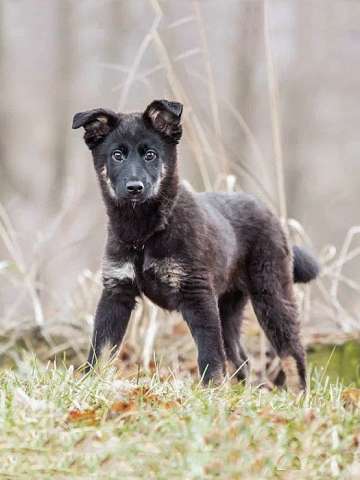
169 271
157 184
293 380
107 181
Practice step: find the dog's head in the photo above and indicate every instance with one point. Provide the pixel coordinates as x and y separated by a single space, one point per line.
133 153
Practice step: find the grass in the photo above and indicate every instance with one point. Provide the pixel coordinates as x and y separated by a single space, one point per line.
55 423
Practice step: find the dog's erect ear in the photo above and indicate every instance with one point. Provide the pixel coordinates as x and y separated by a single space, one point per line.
97 124
164 117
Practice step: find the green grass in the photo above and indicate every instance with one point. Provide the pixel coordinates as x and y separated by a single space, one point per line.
54 423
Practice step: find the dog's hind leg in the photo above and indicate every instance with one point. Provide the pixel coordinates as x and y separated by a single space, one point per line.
274 371
231 306
271 290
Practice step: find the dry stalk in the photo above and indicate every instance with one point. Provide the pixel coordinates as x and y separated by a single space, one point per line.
275 117
150 335
213 97
8 236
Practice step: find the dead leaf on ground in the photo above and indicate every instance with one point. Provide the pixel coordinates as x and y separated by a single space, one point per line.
122 406
356 440
141 394
88 416
351 397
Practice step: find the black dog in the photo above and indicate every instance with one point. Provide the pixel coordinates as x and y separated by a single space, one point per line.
203 254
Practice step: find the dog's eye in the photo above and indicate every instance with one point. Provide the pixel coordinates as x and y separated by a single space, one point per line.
150 155
118 155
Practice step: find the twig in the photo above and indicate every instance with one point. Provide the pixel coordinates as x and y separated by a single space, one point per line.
342 257
138 57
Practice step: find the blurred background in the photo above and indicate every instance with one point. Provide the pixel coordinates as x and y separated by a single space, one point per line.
271 95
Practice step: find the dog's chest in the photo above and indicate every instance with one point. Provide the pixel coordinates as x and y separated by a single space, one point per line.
160 279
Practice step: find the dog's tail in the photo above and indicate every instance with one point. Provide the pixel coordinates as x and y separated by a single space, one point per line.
306 267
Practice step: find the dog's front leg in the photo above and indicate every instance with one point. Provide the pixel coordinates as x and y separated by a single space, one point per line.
201 314
111 320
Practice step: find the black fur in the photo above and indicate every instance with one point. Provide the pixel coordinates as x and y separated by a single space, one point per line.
306 267
203 254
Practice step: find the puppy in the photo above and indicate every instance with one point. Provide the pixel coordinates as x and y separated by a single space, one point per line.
203 254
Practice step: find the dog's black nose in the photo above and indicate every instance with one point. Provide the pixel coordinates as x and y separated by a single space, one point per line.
134 186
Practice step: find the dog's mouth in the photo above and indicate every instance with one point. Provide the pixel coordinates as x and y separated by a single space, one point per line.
133 199
136 201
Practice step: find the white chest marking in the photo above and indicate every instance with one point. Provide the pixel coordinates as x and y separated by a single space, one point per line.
114 271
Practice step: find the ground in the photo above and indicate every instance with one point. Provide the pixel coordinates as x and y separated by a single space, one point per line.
57 424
